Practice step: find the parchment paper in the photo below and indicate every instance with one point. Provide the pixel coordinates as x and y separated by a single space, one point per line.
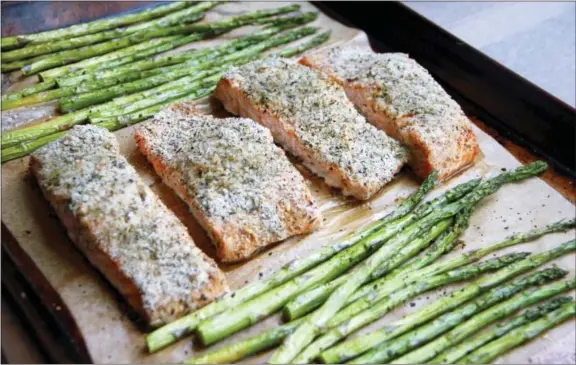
112 337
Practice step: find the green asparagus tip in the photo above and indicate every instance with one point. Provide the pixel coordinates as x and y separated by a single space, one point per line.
551 273
431 180
564 224
535 313
532 169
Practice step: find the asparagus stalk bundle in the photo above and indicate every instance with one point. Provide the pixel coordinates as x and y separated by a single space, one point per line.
280 24
169 42
191 14
353 348
470 326
259 342
136 60
170 333
393 282
167 96
91 27
479 321
345 323
311 328
170 73
525 333
302 305
309 300
373 291
78 54
457 352
92 56
95 80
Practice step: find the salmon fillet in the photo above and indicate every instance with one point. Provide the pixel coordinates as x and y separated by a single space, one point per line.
399 96
239 185
311 117
123 229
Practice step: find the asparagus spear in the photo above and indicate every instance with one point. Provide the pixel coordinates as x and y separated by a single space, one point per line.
130 119
7 43
41 97
191 14
240 350
342 324
170 73
170 42
17 65
492 350
91 27
168 334
442 245
459 332
34 89
313 42
27 147
454 353
311 299
351 349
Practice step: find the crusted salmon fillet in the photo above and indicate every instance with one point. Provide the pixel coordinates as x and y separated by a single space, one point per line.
399 96
123 229
239 185
310 116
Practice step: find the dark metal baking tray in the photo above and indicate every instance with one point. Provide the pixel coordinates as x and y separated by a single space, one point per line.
513 106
